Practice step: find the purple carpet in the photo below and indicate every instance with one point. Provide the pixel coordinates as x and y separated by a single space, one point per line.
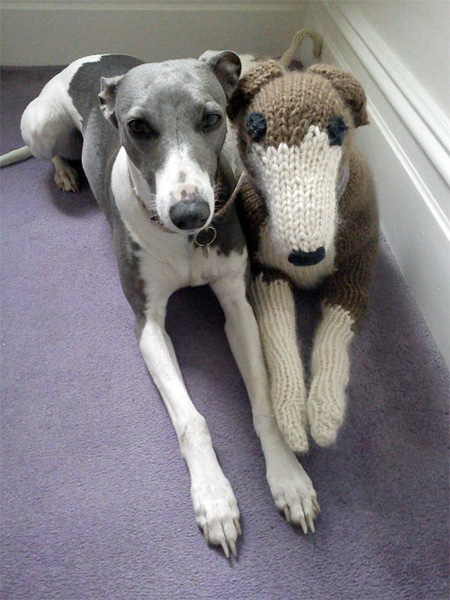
95 494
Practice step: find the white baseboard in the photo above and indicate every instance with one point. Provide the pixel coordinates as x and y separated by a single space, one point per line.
408 146
56 32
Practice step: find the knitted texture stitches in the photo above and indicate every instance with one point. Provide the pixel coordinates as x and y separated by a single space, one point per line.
300 180
275 312
330 370
295 206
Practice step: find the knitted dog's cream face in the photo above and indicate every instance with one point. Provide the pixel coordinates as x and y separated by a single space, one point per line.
292 138
299 184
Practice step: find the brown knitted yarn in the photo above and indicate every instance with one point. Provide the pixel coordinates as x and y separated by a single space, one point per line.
250 85
292 104
349 88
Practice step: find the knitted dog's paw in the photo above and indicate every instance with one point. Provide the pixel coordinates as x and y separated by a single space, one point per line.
326 409
289 407
294 433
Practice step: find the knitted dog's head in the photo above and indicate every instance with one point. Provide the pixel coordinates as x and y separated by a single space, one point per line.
292 130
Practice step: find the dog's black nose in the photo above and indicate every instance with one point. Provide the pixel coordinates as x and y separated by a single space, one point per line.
306 259
189 214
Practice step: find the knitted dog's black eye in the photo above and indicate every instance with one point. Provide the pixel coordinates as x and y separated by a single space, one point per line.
336 131
256 126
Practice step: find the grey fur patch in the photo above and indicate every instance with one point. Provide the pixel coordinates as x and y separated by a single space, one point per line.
230 237
130 277
85 84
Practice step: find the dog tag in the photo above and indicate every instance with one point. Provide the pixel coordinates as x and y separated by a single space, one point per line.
205 238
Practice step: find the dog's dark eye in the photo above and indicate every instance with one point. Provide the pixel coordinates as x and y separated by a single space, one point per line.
256 126
336 131
211 120
141 127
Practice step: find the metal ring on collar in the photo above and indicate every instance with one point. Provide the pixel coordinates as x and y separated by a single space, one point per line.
206 237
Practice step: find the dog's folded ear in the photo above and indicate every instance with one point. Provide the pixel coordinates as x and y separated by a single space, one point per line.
226 66
349 88
107 98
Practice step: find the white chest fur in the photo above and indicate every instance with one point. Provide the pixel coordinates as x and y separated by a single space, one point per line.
168 261
303 277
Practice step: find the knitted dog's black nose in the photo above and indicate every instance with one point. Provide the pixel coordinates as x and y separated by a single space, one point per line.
306 259
189 214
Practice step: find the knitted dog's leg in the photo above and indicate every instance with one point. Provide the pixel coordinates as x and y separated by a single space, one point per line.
273 303
345 297
330 373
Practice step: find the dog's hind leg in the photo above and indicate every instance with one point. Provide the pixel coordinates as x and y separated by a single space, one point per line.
66 177
213 499
50 133
292 489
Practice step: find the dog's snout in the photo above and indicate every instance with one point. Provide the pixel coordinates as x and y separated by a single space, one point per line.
306 259
189 214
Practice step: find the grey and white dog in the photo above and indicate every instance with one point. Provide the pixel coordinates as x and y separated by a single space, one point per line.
151 145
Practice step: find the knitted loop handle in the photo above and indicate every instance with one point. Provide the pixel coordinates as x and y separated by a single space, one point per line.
298 38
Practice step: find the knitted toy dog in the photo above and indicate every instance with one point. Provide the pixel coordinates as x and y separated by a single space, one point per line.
310 216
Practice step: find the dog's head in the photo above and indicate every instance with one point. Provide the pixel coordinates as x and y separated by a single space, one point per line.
171 118
293 137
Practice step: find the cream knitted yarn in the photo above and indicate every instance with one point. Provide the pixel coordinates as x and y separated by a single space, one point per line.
300 181
330 374
274 308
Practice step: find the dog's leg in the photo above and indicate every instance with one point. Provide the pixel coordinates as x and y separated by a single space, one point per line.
214 502
50 134
66 176
291 487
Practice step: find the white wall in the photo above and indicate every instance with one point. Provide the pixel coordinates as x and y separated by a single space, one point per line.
418 33
408 142
55 32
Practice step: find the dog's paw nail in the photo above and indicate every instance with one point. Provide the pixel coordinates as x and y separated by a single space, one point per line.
303 525
233 548
238 526
206 533
315 504
225 548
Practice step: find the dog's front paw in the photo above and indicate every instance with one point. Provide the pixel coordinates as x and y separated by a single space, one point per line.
217 512
294 494
326 409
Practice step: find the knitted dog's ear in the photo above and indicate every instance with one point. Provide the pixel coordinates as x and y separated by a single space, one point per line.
250 85
349 88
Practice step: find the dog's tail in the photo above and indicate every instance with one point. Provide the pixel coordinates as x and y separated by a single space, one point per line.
15 156
298 38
